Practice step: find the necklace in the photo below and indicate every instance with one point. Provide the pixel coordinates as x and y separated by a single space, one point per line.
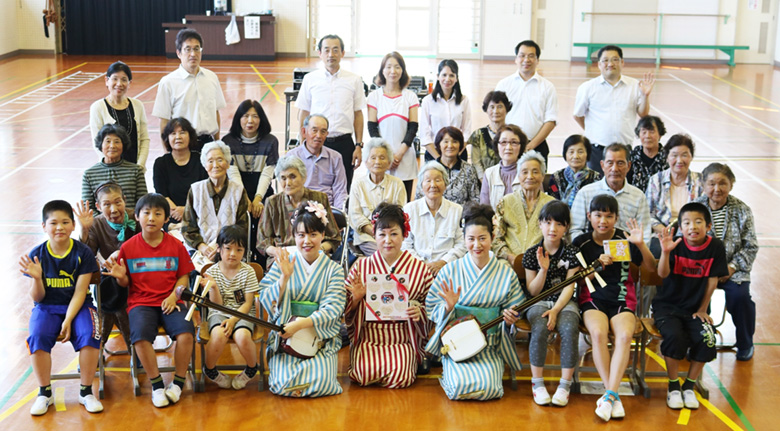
128 116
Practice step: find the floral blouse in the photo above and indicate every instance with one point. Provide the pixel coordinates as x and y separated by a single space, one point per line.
640 172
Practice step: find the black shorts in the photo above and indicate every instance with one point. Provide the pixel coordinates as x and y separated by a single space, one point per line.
611 309
681 332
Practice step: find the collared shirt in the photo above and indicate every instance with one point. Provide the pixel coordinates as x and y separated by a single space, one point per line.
336 96
738 235
534 102
435 115
610 112
434 238
659 195
365 196
325 173
195 97
190 227
631 205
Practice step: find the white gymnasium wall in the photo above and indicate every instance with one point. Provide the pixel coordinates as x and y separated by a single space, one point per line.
29 23
644 29
505 23
9 39
291 21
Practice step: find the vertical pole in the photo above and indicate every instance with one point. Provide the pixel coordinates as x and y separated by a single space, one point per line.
659 39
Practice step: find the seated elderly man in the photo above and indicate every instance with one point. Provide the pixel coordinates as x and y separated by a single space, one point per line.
369 191
275 229
214 202
325 168
435 236
632 203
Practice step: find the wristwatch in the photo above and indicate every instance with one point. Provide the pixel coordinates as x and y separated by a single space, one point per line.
359 145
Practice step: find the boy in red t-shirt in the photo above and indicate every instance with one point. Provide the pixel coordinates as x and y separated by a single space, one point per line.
152 265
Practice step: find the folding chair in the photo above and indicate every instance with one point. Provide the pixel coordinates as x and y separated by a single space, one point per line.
637 348
524 326
100 373
203 337
652 279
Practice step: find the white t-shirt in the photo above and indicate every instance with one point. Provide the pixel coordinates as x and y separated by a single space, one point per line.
392 113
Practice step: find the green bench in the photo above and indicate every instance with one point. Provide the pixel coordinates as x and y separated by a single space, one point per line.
728 49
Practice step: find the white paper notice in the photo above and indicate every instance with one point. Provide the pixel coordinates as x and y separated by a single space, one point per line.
251 27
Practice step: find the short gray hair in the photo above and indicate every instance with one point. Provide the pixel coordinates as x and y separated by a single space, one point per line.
535 156
310 116
435 166
215 145
290 162
377 143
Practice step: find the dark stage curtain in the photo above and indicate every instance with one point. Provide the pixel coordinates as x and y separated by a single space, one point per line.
123 27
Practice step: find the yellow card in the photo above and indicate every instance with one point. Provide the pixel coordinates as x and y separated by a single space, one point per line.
618 249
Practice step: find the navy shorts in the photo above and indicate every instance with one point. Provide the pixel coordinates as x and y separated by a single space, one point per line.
145 321
611 309
46 323
681 332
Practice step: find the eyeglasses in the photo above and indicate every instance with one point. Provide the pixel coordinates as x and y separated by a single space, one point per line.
531 57
614 60
512 143
190 50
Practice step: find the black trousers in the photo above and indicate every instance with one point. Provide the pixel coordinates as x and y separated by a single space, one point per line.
346 147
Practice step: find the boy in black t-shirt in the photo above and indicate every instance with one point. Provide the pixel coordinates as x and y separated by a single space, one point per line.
690 267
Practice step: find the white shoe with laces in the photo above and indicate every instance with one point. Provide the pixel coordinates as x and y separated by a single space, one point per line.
222 380
239 382
689 399
92 404
41 405
604 408
541 396
561 397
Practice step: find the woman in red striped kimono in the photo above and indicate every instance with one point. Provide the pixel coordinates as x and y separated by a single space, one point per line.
387 353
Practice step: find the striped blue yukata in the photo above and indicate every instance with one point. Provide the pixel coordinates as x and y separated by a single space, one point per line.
387 353
496 285
323 283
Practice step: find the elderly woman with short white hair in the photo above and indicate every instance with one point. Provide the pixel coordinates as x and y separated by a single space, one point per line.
274 232
369 191
435 236
517 214
214 202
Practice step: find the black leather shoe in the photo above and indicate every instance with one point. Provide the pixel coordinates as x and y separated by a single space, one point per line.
745 354
424 367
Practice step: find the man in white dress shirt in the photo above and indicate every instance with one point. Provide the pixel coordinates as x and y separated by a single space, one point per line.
534 99
339 95
607 106
191 91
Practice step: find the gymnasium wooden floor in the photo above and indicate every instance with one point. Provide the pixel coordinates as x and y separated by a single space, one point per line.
45 146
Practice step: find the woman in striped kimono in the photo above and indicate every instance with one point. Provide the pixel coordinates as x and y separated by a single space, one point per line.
476 284
309 285
387 353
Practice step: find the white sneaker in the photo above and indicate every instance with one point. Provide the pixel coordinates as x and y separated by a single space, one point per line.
92 404
173 393
222 380
239 382
541 396
604 408
561 397
689 399
159 399
41 405
674 400
618 411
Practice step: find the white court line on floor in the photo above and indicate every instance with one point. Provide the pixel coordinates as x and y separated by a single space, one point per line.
731 161
58 144
733 108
